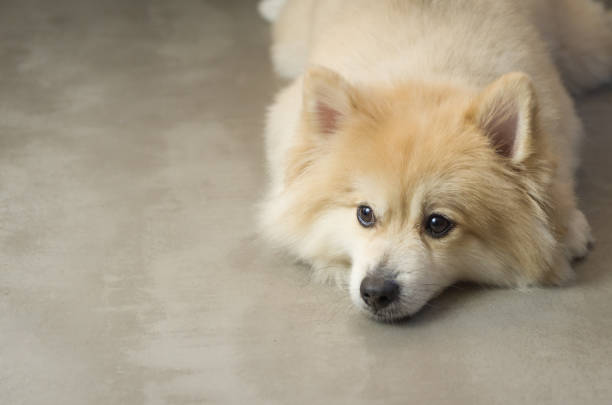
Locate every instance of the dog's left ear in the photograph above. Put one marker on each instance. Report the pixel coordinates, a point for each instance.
(328, 99)
(506, 111)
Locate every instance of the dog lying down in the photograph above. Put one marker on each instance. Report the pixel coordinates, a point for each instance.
(423, 143)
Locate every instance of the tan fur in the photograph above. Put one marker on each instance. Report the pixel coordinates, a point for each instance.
(411, 139)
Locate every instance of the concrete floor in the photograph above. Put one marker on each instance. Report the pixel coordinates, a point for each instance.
(130, 270)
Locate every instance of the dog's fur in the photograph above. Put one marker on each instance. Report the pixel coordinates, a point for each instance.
(412, 107)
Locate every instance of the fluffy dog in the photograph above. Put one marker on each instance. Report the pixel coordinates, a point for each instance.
(424, 142)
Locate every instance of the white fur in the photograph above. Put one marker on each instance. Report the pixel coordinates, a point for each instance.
(579, 236)
(270, 9)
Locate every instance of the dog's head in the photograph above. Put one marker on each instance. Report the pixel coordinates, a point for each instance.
(418, 186)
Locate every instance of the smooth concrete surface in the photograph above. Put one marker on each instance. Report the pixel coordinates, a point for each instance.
(130, 269)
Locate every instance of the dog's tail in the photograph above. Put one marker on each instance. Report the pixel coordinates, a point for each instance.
(269, 9)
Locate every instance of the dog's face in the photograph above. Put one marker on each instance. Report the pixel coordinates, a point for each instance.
(417, 187)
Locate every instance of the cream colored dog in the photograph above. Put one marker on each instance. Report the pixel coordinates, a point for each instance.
(423, 142)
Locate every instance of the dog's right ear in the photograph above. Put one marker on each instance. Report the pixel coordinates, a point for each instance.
(328, 100)
(506, 111)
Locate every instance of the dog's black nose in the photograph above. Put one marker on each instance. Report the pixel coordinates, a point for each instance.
(378, 292)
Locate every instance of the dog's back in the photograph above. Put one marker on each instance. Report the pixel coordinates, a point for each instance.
(447, 37)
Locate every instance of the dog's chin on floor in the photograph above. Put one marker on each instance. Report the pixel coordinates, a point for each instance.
(441, 305)
(338, 276)
(389, 316)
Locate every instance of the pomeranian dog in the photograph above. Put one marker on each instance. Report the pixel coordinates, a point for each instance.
(425, 142)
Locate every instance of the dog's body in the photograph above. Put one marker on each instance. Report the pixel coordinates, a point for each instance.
(410, 110)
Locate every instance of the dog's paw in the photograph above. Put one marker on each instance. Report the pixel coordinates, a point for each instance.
(579, 238)
(562, 273)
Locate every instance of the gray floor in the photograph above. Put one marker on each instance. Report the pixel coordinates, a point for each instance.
(130, 270)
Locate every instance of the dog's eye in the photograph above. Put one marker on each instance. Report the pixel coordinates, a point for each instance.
(365, 215)
(438, 226)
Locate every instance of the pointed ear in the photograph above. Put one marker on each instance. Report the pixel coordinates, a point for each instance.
(328, 99)
(506, 112)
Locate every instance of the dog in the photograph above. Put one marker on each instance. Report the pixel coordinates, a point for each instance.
(426, 142)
